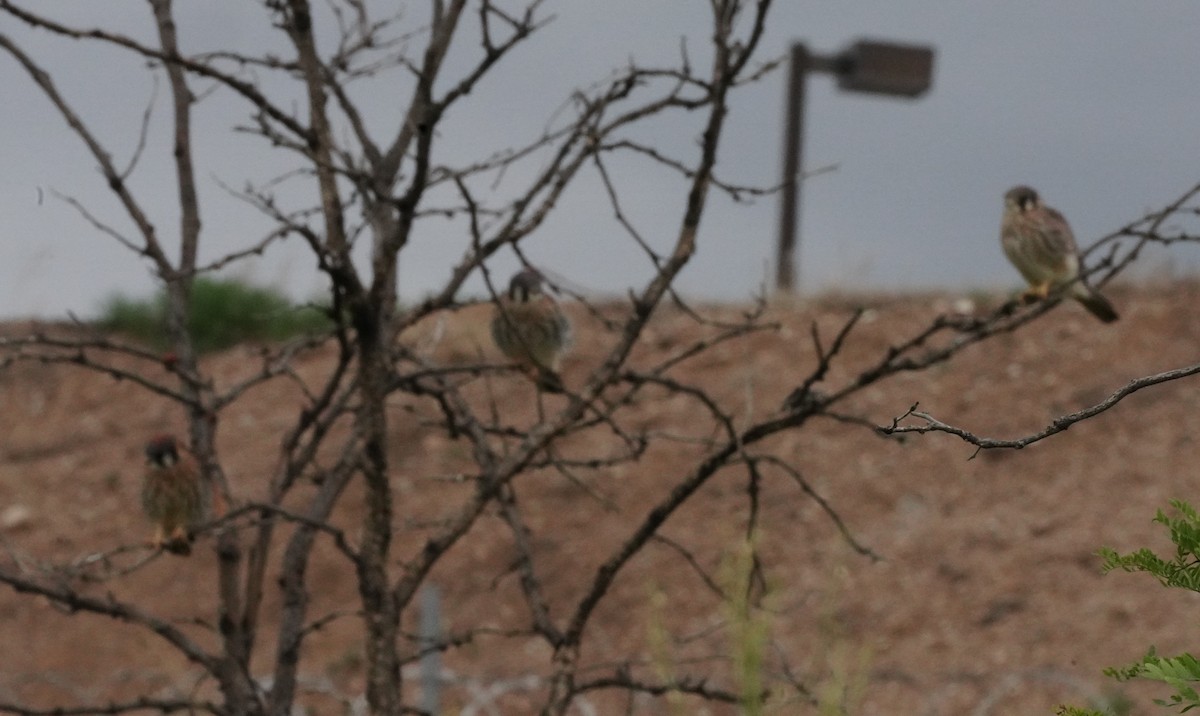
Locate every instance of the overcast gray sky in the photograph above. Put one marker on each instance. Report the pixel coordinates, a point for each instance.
(1094, 103)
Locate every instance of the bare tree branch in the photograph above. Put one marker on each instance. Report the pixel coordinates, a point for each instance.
(359, 188)
(930, 424)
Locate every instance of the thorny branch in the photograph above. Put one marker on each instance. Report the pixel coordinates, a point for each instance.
(110, 607)
(930, 424)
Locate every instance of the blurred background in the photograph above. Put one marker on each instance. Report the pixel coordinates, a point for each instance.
(1093, 105)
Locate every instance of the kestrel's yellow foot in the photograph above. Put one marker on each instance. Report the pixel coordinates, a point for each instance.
(1034, 294)
(179, 542)
(159, 539)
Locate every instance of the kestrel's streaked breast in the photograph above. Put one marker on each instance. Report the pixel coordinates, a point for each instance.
(531, 329)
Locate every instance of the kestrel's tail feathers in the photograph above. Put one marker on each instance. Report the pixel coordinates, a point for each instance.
(549, 381)
(179, 543)
(1096, 304)
(178, 546)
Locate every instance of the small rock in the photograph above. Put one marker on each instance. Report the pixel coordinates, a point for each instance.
(15, 517)
(964, 307)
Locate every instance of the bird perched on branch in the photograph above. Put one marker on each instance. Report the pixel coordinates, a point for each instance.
(1038, 241)
(172, 495)
(531, 329)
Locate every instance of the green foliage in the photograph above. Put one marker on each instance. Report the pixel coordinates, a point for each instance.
(224, 312)
(1181, 571)
(749, 629)
(1178, 673)
(1181, 673)
(662, 655)
(141, 319)
(1073, 711)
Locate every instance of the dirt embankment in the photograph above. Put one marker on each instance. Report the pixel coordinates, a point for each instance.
(988, 600)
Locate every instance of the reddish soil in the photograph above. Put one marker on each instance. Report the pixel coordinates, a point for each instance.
(988, 599)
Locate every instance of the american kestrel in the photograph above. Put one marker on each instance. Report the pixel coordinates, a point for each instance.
(172, 496)
(531, 329)
(1038, 241)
